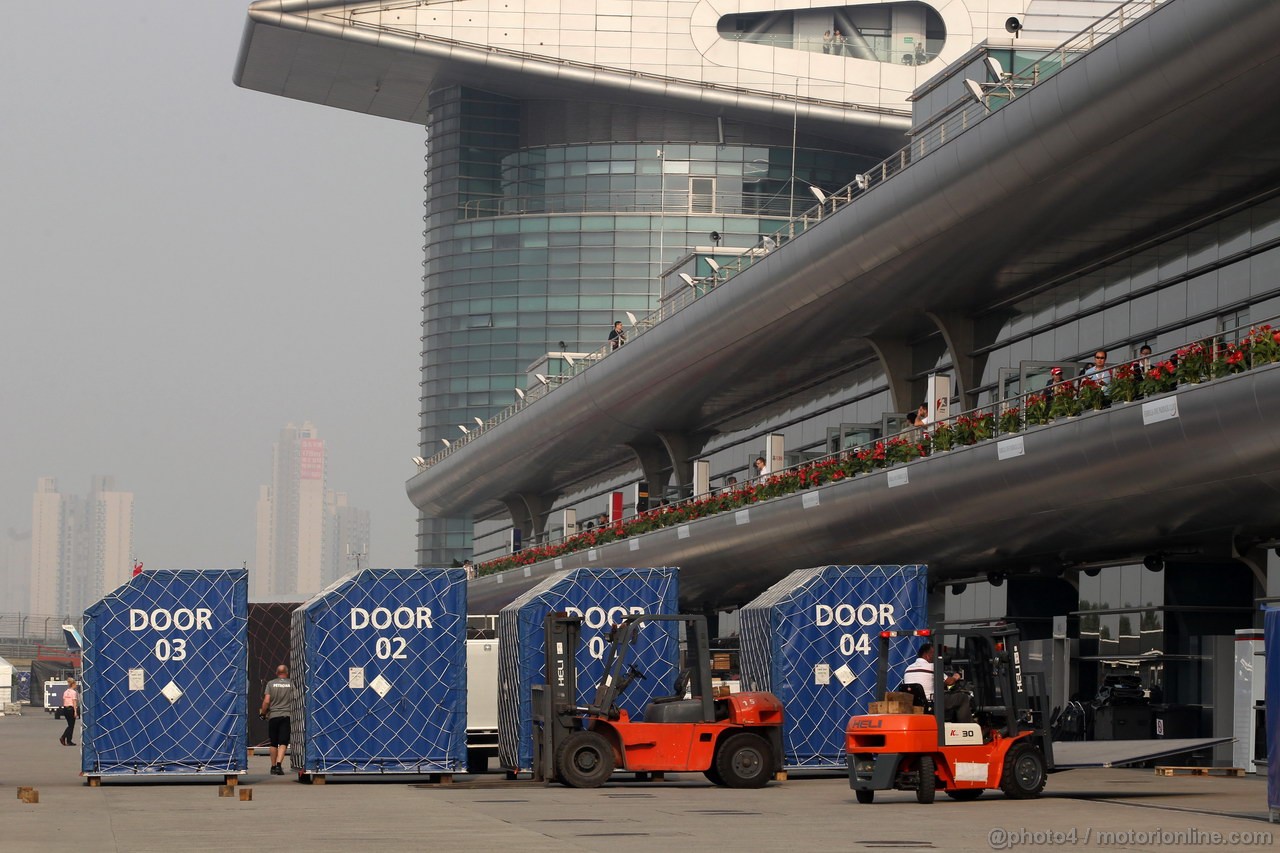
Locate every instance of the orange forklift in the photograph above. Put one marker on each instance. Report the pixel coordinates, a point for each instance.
(735, 740)
(1008, 745)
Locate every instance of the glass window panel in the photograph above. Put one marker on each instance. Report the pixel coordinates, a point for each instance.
(675, 167)
(565, 223)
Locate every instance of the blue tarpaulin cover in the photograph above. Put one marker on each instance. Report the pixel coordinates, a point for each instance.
(1271, 635)
(164, 675)
(601, 597)
(812, 639)
(380, 672)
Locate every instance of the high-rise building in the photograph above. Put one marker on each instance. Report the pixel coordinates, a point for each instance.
(303, 528)
(348, 538)
(81, 547)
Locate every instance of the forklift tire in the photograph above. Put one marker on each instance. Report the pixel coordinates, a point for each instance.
(713, 775)
(1024, 772)
(865, 797)
(584, 760)
(744, 760)
(965, 795)
(927, 787)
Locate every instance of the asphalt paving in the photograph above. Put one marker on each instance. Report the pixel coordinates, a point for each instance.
(1129, 809)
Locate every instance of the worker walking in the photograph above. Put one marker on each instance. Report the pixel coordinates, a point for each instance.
(277, 706)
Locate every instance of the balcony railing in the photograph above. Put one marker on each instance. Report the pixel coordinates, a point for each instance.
(1226, 354)
(926, 142)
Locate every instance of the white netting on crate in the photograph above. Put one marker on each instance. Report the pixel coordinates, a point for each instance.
(379, 668)
(164, 675)
(601, 597)
(812, 639)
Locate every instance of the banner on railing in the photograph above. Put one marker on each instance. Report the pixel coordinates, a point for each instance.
(939, 399)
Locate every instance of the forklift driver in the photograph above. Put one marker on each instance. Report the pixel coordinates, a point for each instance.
(955, 703)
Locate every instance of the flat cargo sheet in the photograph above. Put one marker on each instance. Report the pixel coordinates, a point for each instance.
(1068, 755)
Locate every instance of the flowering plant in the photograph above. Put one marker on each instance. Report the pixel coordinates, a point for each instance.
(899, 449)
(1124, 383)
(944, 437)
(1011, 419)
(1193, 364)
(1264, 343)
(1091, 395)
(970, 430)
(1160, 378)
(1037, 409)
(1066, 403)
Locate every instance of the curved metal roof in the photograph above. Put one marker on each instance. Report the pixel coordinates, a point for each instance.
(1166, 118)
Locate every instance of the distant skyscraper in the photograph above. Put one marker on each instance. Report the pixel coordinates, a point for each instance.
(81, 548)
(303, 528)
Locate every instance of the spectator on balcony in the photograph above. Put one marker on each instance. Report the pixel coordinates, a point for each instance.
(826, 42)
(617, 337)
(1144, 358)
(1098, 371)
(837, 42)
(762, 468)
(470, 568)
(922, 415)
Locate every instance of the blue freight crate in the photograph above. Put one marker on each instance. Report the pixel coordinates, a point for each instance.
(812, 639)
(601, 597)
(380, 674)
(164, 675)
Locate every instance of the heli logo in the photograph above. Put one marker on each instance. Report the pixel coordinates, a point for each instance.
(865, 724)
(961, 733)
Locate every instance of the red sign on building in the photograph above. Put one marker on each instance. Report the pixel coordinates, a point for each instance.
(311, 461)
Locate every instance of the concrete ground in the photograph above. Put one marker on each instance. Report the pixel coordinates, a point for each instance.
(818, 814)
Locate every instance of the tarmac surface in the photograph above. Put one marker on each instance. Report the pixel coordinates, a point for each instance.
(1144, 811)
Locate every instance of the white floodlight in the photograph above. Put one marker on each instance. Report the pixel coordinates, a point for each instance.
(993, 65)
(419, 461)
(715, 268)
(687, 279)
(465, 431)
(975, 91)
(631, 317)
(544, 380)
(446, 442)
(818, 194)
(479, 422)
(519, 393)
(568, 359)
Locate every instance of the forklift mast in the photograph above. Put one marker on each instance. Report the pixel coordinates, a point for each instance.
(618, 673)
(1005, 697)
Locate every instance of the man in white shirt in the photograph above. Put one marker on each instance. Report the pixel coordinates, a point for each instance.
(921, 672)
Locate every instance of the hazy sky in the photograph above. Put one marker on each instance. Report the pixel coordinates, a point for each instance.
(187, 266)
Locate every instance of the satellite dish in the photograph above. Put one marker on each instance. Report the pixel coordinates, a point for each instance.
(631, 317)
(519, 393)
(1013, 25)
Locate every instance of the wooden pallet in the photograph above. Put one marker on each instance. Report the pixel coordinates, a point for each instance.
(1199, 771)
(433, 779)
